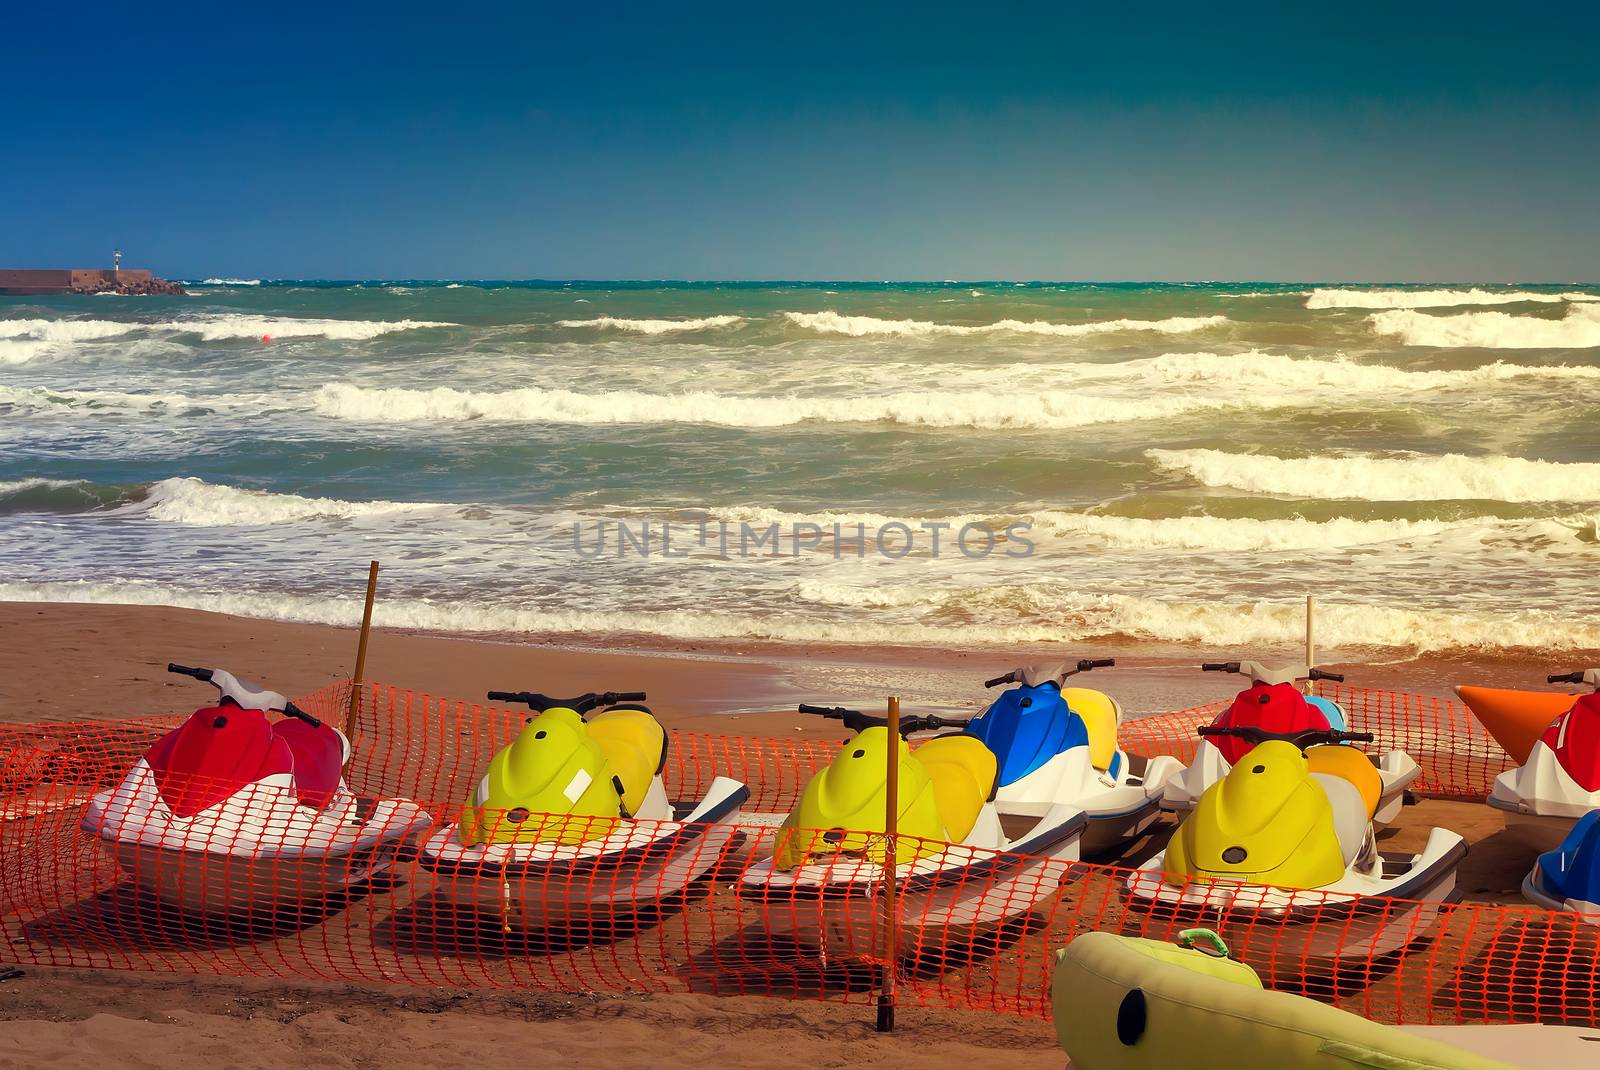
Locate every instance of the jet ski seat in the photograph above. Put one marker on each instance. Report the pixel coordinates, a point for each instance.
(318, 755)
(635, 746)
(1351, 818)
(1351, 765)
(1100, 715)
(965, 774)
(1331, 710)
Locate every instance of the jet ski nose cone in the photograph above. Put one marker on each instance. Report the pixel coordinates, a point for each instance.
(1234, 855)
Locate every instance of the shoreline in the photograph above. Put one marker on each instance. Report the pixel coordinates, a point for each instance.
(106, 661)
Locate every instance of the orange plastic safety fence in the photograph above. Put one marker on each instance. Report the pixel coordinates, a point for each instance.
(380, 885)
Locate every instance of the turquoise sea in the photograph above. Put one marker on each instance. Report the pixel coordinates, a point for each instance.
(1175, 463)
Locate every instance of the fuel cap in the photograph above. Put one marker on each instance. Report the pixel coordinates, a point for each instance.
(1234, 855)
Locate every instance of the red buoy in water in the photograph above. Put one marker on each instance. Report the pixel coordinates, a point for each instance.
(266, 338)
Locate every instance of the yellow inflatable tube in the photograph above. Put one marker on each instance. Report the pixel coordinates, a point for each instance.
(1123, 1003)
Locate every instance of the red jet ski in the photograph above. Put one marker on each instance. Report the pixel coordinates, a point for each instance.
(1560, 782)
(1273, 705)
(234, 813)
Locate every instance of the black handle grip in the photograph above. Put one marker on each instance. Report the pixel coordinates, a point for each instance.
(1220, 666)
(506, 696)
(291, 710)
(611, 698)
(998, 680)
(1096, 663)
(1566, 678)
(837, 713)
(184, 670)
(1323, 674)
(1310, 737)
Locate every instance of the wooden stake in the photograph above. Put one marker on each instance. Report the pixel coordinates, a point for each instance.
(891, 855)
(361, 659)
(1311, 646)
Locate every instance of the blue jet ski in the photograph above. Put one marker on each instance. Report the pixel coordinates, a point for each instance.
(1057, 745)
(1568, 878)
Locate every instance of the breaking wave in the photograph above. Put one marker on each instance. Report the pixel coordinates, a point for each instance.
(862, 326)
(1058, 616)
(1332, 298)
(231, 282)
(1209, 533)
(654, 326)
(23, 339)
(1258, 369)
(1579, 329)
(1364, 477)
(185, 500)
(932, 408)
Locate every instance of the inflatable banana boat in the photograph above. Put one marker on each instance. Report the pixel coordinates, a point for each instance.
(1124, 1003)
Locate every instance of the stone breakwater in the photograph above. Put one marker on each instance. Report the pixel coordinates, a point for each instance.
(34, 282)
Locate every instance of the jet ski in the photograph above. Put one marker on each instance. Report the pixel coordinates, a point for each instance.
(232, 813)
(1560, 780)
(1568, 878)
(572, 825)
(1274, 705)
(1057, 745)
(957, 873)
(1285, 839)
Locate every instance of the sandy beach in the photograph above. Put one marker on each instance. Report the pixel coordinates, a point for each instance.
(66, 662)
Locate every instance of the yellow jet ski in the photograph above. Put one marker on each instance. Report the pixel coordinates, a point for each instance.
(1285, 839)
(572, 823)
(957, 874)
(1124, 1003)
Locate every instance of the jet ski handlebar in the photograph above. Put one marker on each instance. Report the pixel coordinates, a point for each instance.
(1579, 676)
(578, 704)
(1016, 676)
(857, 721)
(1313, 673)
(245, 695)
(1309, 738)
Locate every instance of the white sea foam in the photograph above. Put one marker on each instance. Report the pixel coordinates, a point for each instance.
(1258, 369)
(185, 500)
(981, 408)
(231, 282)
(1216, 624)
(1331, 298)
(89, 402)
(23, 339)
(654, 326)
(1579, 329)
(1344, 625)
(1413, 478)
(862, 326)
(17, 486)
(1210, 533)
(218, 328)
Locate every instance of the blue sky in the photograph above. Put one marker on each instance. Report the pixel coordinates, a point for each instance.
(1447, 142)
